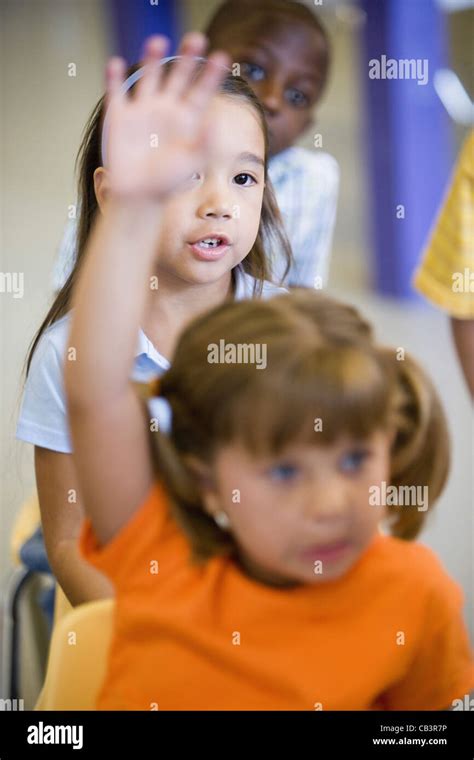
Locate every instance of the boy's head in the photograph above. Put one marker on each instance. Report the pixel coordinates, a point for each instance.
(284, 54)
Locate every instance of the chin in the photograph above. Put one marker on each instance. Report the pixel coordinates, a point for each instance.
(333, 572)
(204, 275)
(205, 272)
(277, 146)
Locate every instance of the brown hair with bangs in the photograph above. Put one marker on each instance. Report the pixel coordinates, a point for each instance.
(271, 234)
(321, 363)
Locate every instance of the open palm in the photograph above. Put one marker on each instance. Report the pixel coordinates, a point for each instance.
(156, 139)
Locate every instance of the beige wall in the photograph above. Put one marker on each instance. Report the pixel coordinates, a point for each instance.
(43, 113)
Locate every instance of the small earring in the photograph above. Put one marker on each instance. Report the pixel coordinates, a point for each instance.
(222, 520)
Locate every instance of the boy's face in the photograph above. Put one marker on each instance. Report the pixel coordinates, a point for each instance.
(304, 516)
(284, 71)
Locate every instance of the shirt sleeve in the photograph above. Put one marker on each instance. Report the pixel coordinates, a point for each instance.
(43, 416)
(126, 558)
(442, 669)
(445, 272)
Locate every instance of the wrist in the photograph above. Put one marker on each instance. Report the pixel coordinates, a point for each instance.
(140, 216)
(132, 205)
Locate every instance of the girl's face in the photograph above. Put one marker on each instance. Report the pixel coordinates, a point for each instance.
(221, 203)
(303, 516)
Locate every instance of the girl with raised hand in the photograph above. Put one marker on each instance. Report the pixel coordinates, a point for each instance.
(243, 536)
(209, 240)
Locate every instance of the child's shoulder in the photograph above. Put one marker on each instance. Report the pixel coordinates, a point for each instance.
(55, 337)
(408, 555)
(416, 564)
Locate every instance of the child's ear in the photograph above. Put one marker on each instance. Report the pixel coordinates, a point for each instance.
(201, 471)
(101, 187)
(206, 482)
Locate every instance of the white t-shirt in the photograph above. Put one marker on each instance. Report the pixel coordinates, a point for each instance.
(43, 417)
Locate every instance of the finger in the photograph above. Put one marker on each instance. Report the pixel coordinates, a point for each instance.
(155, 49)
(114, 77)
(192, 45)
(207, 84)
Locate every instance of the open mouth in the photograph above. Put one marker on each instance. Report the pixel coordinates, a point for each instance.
(208, 243)
(211, 246)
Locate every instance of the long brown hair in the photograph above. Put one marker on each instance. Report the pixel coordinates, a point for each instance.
(322, 364)
(257, 262)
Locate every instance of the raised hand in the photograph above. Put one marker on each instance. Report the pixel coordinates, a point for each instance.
(160, 136)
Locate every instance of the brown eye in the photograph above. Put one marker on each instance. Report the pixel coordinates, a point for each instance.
(242, 179)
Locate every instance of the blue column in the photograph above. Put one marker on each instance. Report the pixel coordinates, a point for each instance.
(408, 136)
(134, 20)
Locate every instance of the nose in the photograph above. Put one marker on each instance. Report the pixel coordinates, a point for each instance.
(214, 202)
(271, 96)
(328, 499)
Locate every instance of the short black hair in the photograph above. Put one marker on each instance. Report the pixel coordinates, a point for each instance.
(264, 17)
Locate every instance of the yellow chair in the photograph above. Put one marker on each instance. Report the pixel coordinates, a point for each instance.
(78, 657)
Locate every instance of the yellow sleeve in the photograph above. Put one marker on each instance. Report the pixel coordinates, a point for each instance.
(446, 274)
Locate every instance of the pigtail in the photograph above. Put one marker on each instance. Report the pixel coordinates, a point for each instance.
(168, 464)
(421, 449)
(181, 484)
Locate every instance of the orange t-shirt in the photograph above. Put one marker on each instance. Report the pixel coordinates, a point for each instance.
(388, 635)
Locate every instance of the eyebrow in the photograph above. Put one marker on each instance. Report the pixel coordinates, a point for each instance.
(251, 157)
